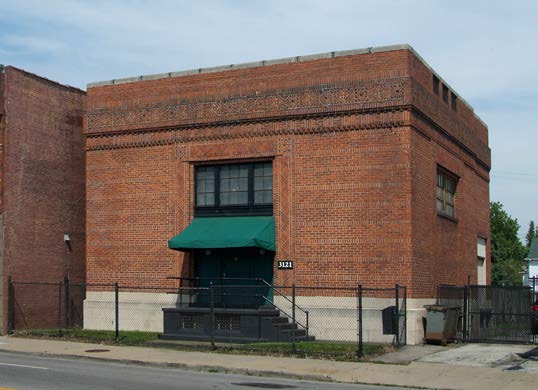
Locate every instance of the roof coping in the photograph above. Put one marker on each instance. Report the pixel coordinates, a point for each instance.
(311, 57)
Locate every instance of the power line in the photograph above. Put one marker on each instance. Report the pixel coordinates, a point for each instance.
(515, 176)
(514, 173)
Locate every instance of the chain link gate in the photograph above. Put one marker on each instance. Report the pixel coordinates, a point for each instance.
(42, 305)
(492, 314)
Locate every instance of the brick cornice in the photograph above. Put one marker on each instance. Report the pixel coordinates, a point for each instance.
(281, 126)
(421, 123)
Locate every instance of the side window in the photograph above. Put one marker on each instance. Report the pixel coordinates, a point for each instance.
(263, 184)
(446, 192)
(205, 186)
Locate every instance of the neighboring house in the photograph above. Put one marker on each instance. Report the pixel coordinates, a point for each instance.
(361, 166)
(42, 189)
(531, 270)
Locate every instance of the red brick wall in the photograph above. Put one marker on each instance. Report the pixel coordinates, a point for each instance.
(131, 206)
(353, 169)
(44, 182)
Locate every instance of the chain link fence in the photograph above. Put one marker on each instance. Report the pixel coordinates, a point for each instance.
(247, 315)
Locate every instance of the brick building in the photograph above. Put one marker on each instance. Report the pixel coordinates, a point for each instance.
(42, 188)
(367, 166)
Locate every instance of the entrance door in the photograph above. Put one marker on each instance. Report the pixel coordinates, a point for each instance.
(231, 269)
(208, 269)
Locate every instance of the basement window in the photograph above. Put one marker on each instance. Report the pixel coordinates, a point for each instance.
(228, 322)
(446, 192)
(191, 321)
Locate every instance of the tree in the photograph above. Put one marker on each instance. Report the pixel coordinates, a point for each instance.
(507, 251)
(530, 234)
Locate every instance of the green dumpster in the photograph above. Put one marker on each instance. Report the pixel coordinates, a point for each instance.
(441, 323)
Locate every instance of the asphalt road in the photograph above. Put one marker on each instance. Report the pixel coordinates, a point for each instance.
(24, 372)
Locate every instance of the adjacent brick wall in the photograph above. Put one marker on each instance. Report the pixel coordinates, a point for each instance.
(3, 279)
(44, 180)
(355, 142)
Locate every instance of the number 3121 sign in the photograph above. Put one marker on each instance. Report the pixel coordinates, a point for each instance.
(284, 264)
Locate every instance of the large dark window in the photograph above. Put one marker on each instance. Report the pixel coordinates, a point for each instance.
(446, 191)
(234, 189)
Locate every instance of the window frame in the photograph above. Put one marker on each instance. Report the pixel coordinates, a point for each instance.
(443, 202)
(248, 208)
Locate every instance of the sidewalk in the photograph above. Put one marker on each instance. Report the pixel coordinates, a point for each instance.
(424, 374)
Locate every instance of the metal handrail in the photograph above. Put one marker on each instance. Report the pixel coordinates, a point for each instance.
(294, 320)
(285, 297)
(181, 279)
(266, 299)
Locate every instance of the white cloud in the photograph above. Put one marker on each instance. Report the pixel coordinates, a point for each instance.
(34, 44)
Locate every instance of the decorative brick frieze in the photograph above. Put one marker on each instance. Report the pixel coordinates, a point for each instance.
(182, 152)
(247, 149)
(275, 127)
(283, 188)
(365, 94)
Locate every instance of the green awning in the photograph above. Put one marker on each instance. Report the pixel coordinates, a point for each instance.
(226, 232)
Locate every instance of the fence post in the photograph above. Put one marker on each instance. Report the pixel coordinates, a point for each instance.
(10, 305)
(307, 324)
(66, 303)
(59, 320)
(117, 310)
(465, 311)
(180, 293)
(293, 347)
(211, 316)
(404, 305)
(534, 299)
(360, 352)
(396, 319)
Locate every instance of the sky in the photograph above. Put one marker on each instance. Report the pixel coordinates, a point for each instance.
(486, 50)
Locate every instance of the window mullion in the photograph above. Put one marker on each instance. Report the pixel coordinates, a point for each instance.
(251, 184)
(217, 186)
(444, 194)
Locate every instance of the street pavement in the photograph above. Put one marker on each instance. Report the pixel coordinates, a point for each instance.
(23, 372)
(470, 366)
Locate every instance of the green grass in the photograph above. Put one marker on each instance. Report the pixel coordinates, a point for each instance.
(92, 336)
(317, 349)
(305, 349)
